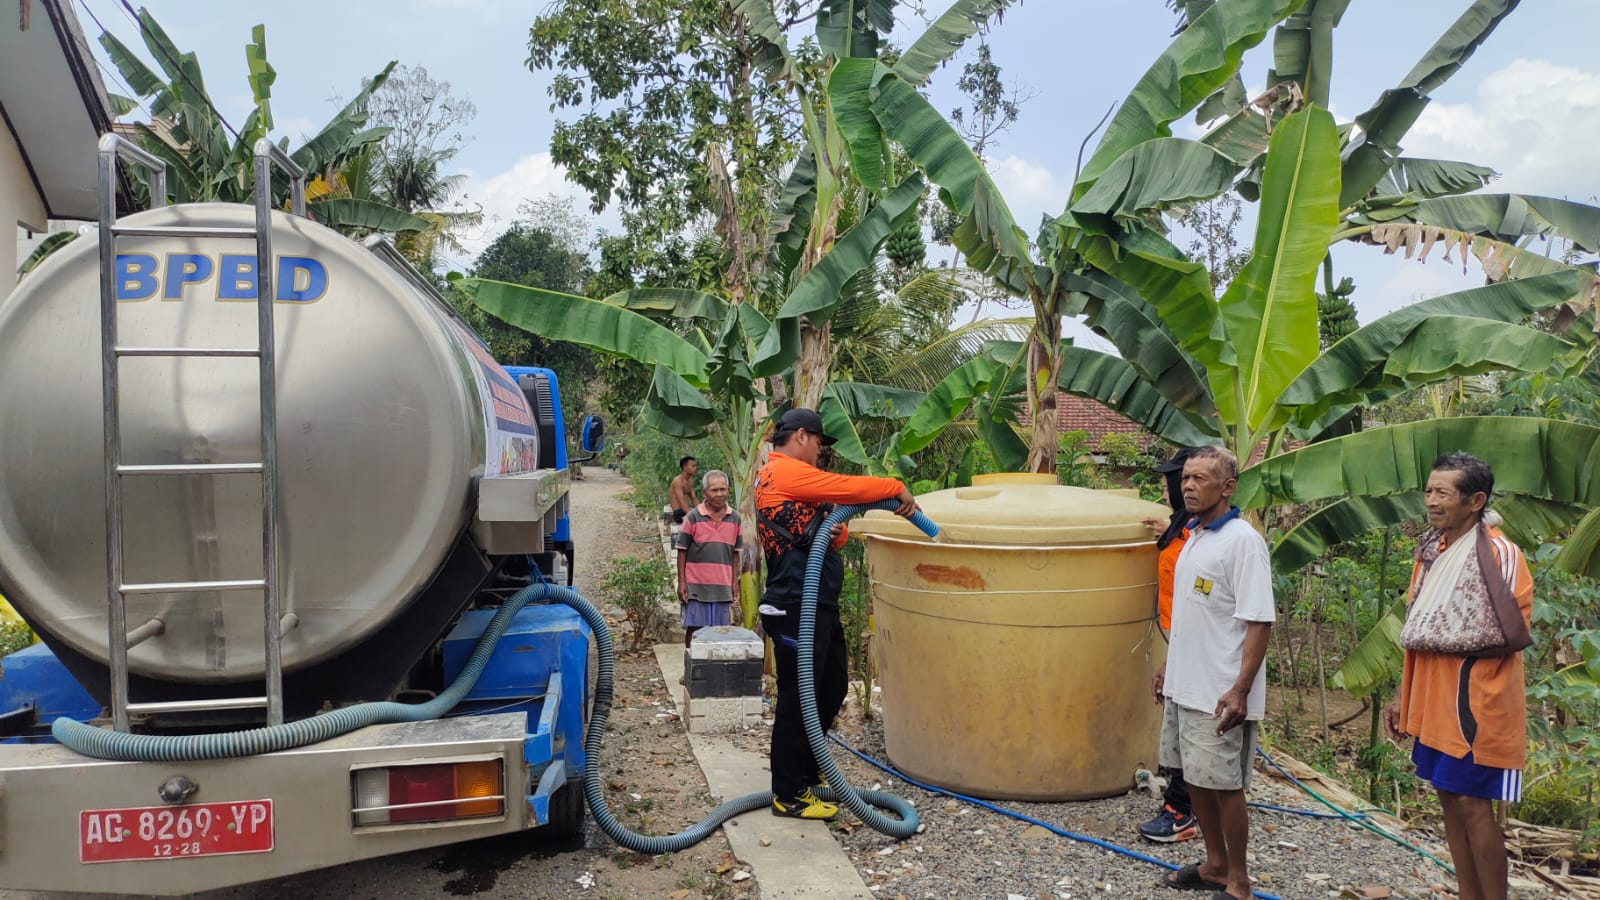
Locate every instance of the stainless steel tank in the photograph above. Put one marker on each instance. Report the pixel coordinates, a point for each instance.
(387, 410)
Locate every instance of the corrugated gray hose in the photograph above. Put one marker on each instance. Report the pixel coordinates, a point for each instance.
(106, 744)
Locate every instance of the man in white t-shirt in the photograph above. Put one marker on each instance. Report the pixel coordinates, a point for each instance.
(1214, 682)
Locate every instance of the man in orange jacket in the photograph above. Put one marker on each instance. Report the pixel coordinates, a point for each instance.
(1175, 821)
(792, 497)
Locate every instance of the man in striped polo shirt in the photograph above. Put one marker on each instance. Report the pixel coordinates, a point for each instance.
(708, 554)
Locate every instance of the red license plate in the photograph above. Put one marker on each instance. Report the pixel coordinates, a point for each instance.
(175, 832)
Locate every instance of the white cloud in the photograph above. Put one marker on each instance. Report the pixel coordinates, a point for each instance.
(1533, 121)
(1031, 190)
(532, 177)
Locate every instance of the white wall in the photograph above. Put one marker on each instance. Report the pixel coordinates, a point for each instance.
(20, 204)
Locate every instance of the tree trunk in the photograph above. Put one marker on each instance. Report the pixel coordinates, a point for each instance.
(812, 369)
(1044, 371)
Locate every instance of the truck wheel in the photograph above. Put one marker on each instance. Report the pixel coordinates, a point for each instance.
(566, 812)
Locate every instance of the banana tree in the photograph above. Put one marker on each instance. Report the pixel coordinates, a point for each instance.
(191, 137)
(806, 223)
(1136, 171)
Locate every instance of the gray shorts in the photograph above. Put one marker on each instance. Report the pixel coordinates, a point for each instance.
(1217, 762)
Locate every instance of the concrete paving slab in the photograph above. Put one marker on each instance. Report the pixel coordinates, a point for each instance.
(802, 859)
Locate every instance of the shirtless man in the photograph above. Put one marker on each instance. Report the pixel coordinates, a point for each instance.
(681, 493)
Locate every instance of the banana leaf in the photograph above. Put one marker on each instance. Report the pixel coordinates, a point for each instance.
(874, 401)
(728, 362)
(678, 303)
(1302, 48)
(1376, 661)
(944, 37)
(1199, 61)
(49, 245)
(1509, 216)
(262, 75)
(791, 217)
(1544, 458)
(1415, 177)
(846, 404)
(1385, 124)
(675, 407)
(848, 443)
(1530, 521)
(852, 85)
(346, 212)
(1179, 290)
(1225, 102)
(556, 316)
(1345, 372)
(988, 231)
(1342, 521)
(1270, 309)
(853, 28)
(973, 380)
(1453, 346)
(1117, 312)
(1114, 383)
(819, 292)
(1153, 176)
(328, 145)
(1241, 137)
(180, 67)
(1581, 553)
(1499, 259)
(140, 79)
(772, 49)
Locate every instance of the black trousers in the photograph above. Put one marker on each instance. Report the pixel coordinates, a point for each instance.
(1177, 793)
(793, 767)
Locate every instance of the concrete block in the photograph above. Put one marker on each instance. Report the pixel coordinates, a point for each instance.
(725, 642)
(721, 715)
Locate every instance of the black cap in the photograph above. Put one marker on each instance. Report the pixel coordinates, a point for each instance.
(1175, 464)
(804, 420)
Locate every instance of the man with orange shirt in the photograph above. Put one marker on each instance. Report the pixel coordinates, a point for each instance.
(792, 498)
(1175, 821)
(1466, 710)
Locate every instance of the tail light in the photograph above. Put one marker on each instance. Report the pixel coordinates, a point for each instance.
(432, 792)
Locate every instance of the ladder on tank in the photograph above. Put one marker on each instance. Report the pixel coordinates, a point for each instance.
(112, 150)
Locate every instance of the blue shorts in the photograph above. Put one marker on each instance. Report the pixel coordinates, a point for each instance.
(1463, 776)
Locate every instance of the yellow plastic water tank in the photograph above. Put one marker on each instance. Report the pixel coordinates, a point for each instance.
(1016, 654)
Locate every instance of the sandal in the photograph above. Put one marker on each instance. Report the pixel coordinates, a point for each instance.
(1189, 878)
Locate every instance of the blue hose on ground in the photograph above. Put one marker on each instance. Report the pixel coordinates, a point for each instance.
(847, 796)
(102, 743)
(1021, 817)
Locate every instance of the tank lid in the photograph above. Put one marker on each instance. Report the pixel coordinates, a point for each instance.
(1024, 511)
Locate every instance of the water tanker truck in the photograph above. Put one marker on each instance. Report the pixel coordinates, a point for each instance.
(253, 474)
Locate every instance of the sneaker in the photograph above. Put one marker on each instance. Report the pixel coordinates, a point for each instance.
(805, 806)
(1170, 827)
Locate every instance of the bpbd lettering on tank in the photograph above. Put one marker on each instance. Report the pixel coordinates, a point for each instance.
(225, 277)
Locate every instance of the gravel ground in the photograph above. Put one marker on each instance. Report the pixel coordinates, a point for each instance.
(969, 852)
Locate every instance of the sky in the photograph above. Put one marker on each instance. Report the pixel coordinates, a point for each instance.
(1527, 103)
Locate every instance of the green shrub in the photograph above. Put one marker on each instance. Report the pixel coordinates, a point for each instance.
(14, 636)
(640, 587)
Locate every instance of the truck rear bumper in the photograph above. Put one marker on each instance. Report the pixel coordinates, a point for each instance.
(45, 789)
